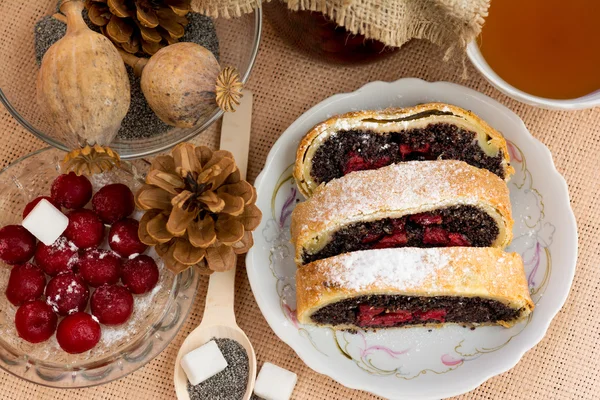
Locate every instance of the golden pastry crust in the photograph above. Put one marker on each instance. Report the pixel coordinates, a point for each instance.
(489, 138)
(397, 190)
(488, 273)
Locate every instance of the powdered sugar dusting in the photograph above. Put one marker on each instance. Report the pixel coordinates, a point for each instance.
(127, 331)
(394, 187)
(400, 268)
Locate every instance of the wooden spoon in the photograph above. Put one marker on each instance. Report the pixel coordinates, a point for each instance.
(219, 317)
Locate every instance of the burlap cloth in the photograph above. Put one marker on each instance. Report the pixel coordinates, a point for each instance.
(563, 366)
(451, 24)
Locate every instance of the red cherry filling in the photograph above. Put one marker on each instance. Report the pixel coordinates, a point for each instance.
(424, 229)
(112, 304)
(113, 203)
(378, 316)
(431, 315)
(61, 256)
(99, 267)
(17, 245)
(26, 282)
(123, 238)
(356, 162)
(426, 219)
(435, 236)
(71, 191)
(67, 294)
(35, 321)
(31, 205)
(78, 332)
(407, 150)
(140, 274)
(457, 239)
(85, 229)
(394, 240)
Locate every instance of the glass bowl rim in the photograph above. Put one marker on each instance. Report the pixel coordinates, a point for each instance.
(179, 283)
(193, 133)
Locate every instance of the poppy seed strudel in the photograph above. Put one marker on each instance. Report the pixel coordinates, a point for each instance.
(412, 204)
(411, 286)
(373, 139)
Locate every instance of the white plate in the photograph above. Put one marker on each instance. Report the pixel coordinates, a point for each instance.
(417, 363)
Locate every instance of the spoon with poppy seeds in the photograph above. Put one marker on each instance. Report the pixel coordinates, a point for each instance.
(218, 320)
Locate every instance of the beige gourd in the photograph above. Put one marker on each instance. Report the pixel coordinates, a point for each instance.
(183, 83)
(82, 88)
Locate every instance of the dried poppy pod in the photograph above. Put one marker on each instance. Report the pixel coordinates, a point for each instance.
(184, 83)
(198, 209)
(83, 90)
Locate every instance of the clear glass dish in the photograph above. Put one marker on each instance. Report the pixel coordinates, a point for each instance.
(239, 40)
(157, 316)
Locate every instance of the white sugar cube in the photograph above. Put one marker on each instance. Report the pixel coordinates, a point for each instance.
(275, 383)
(46, 222)
(204, 362)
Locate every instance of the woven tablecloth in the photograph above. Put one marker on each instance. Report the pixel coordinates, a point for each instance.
(564, 365)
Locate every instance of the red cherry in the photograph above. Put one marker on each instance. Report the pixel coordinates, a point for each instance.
(17, 245)
(85, 229)
(123, 238)
(35, 321)
(67, 293)
(393, 240)
(435, 235)
(31, 205)
(61, 256)
(407, 149)
(392, 318)
(112, 304)
(380, 162)
(99, 267)
(71, 191)
(371, 237)
(458, 239)
(426, 219)
(78, 333)
(355, 163)
(113, 203)
(26, 283)
(436, 315)
(376, 316)
(367, 310)
(140, 274)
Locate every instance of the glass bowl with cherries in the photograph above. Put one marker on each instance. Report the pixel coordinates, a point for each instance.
(95, 303)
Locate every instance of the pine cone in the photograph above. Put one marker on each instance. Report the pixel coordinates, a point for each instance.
(140, 25)
(198, 209)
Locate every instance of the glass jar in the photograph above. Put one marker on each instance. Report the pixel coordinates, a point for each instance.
(316, 34)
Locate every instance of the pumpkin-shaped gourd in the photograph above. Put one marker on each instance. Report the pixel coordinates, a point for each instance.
(82, 88)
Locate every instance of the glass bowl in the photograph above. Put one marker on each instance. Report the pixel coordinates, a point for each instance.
(157, 315)
(239, 40)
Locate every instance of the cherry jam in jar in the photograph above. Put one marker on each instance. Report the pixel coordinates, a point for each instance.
(316, 34)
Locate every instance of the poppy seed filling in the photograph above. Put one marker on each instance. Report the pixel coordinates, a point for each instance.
(356, 150)
(382, 311)
(462, 225)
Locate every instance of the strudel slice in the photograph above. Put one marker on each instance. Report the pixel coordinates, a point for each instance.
(373, 139)
(411, 286)
(412, 204)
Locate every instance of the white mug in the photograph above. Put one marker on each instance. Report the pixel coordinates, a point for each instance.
(587, 101)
